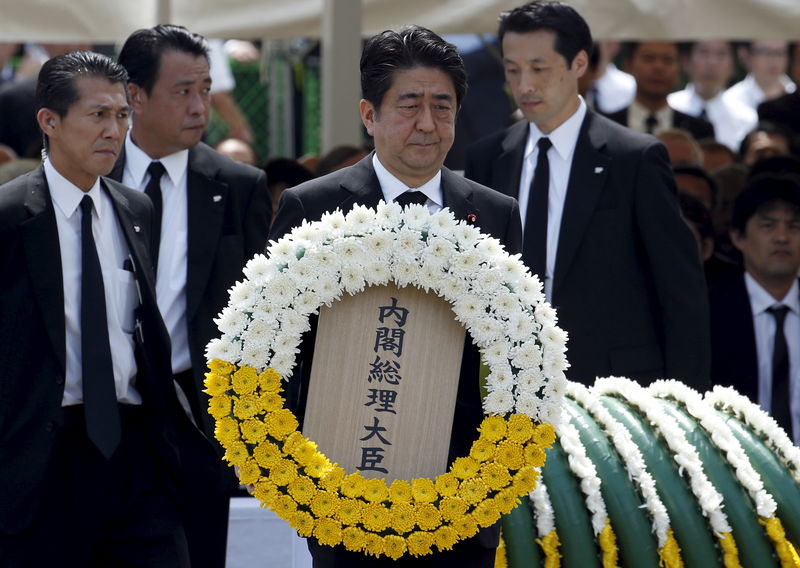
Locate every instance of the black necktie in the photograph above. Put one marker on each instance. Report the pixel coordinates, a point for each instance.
(780, 407)
(411, 196)
(153, 191)
(703, 114)
(99, 392)
(535, 245)
(650, 124)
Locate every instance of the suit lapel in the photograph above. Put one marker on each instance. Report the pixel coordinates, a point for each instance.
(507, 167)
(457, 195)
(206, 198)
(119, 166)
(40, 235)
(586, 180)
(362, 185)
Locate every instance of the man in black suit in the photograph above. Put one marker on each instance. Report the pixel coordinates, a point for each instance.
(94, 446)
(755, 316)
(601, 222)
(655, 66)
(412, 84)
(212, 215)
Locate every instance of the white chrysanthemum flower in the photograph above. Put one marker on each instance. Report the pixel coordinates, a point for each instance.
(453, 288)
(307, 303)
(404, 272)
(530, 290)
(498, 402)
(283, 251)
(293, 323)
(490, 279)
(281, 289)
(440, 249)
(387, 215)
(512, 268)
(530, 380)
(350, 251)
(305, 272)
(466, 235)
(520, 326)
(378, 245)
(496, 352)
(329, 290)
(266, 311)
(547, 413)
(501, 378)
(359, 220)
(231, 321)
(442, 222)
(553, 336)
(408, 245)
(258, 333)
(465, 264)
(429, 277)
(253, 356)
(554, 363)
(258, 269)
(353, 279)
(490, 247)
(218, 348)
(283, 363)
(377, 273)
(469, 307)
(309, 234)
(333, 223)
(485, 330)
(416, 216)
(243, 295)
(526, 355)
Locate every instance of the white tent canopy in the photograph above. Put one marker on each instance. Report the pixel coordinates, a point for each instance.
(104, 21)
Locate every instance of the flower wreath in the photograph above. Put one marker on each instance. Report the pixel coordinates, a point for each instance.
(492, 294)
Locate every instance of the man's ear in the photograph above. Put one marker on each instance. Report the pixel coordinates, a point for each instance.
(368, 115)
(736, 238)
(136, 96)
(48, 121)
(580, 63)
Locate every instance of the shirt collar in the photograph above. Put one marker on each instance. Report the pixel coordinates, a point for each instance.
(761, 300)
(392, 187)
(638, 114)
(66, 195)
(137, 162)
(564, 137)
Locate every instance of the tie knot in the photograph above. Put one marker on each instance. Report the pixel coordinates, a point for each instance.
(544, 144)
(86, 205)
(156, 170)
(411, 196)
(779, 312)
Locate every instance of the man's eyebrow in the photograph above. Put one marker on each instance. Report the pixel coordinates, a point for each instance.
(105, 107)
(413, 95)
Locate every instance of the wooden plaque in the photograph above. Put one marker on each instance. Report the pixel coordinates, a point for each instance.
(383, 383)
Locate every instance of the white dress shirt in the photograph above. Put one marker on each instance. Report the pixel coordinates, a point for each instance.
(638, 115)
(393, 187)
(614, 90)
(748, 93)
(764, 326)
(732, 119)
(559, 156)
(118, 284)
(173, 247)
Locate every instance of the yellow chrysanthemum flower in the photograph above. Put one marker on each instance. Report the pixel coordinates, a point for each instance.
(506, 500)
(303, 523)
(447, 484)
(236, 453)
(486, 513)
(394, 546)
(419, 543)
(226, 430)
(544, 435)
(473, 490)
(453, 508)
(282, 472)
(266, 454)
(245, 380)
(249, 472)
(427, 516)
(423, 490)
(303, 452)
(534, 455)
(482, 450)
(400, 491)
(465, 526)
(373, 544)
(270, 401)
(353, 485)
(269, 381)
(445, 538)
(403, 519)
(302, 490)
(520, 428)
(375, 517)
(324, 503)
(221, 367)
(375, 490)
(281, 423)
(332, 479)
(493, 428)
(219, 406)
(216, 384)
(495, 475)
(510, 454)
(266, 491)
(254, 431)
(354, 539)
(246, 406)
(318, 465)
(328, 532)
(350, 511)
(525, 480)
(292, 441)
(464, 468)
(284, 506)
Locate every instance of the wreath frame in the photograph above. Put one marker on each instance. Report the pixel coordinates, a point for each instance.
(491, 293)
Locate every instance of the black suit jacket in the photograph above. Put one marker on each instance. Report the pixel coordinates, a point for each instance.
(33, 348)
(628, 284)
(784, 110)
(229, 211)
(734, 360)
(697, 127)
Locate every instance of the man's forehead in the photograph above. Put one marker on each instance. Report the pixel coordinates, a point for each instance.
(173, 64)
(416, 80)
(95, 90)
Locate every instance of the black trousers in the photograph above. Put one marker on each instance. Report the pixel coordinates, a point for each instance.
(98, 513)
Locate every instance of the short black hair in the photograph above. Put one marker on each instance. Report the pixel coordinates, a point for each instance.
(697, 214)
(571, 30)
(763, 192)
(770, 128)
(55, 87)
(141, 54)
(698, 172)
(413, 46)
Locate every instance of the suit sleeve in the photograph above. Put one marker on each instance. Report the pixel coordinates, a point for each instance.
(513, 238)
(290, 215)
(676, 271)
(258, 215)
